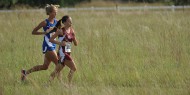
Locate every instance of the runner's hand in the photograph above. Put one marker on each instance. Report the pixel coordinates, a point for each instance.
(63, 43)
(48, 30)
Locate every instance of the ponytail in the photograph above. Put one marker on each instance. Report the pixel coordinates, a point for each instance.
(57, 26)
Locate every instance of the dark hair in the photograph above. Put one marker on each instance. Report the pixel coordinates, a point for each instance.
(58, 25)
(64, 18)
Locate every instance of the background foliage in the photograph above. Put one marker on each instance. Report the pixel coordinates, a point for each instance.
(71, 3)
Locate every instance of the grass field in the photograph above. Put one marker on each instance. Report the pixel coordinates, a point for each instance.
(118, 54)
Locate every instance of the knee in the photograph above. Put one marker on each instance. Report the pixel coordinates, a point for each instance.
(45, 67)
(74, 69)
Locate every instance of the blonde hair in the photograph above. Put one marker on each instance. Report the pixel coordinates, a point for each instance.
(50, 8)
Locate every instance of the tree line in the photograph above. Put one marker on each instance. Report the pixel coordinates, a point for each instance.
(7, 4)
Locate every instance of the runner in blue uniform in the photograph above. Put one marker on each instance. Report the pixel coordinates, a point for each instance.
(50, 54)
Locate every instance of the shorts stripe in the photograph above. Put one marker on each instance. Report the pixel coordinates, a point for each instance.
(45, 49)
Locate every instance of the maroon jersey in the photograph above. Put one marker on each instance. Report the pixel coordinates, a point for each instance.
(69, 37)
(64, 51)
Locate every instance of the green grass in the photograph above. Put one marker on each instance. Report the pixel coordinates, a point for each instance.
(118, 54)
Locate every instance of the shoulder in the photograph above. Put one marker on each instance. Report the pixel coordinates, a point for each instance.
(72, 30)
(61, 31)
(55, 19)
(43, 23)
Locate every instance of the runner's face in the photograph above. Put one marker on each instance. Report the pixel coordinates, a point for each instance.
(69, 22)
(53, 13)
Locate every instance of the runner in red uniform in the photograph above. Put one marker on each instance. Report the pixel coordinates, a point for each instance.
(66, 38)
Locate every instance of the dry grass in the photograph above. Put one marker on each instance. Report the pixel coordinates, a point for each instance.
(118, 54)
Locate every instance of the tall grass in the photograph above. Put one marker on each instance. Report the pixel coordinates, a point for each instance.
(118, 54)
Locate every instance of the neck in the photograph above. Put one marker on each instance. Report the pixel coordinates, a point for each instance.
(50, 19)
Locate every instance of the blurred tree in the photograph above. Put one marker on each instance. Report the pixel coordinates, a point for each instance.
(65, 3)
(181, 2)
(144, 1)
(7, 3)
(176, 2)
(42, 3)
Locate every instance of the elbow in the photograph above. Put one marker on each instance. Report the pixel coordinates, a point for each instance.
(76, 43)
(50, 40)
(33, 33)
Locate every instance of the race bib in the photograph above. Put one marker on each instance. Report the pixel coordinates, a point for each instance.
(68, 47)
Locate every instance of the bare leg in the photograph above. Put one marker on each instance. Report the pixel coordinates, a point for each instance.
(57, 70)
(72, 67)
(49, 56)
(39, 67)
(59, 76)
(53, 56)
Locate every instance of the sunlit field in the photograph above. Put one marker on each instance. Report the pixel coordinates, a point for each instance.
(125, 53)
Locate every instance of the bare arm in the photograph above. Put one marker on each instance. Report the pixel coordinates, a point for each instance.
(35, 30)
(75, 40)
(58, 32)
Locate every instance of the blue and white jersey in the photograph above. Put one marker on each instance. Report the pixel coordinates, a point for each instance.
(48, 46)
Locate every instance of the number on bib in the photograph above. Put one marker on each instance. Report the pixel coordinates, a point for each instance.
(68, 47)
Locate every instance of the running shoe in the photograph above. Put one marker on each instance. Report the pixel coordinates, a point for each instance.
(23, 75)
